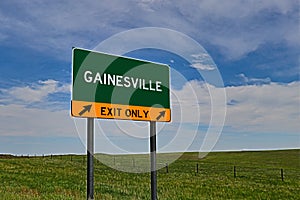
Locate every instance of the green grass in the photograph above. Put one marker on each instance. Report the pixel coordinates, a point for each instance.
(258, 176)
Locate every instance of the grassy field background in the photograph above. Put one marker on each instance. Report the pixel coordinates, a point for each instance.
(258, 176)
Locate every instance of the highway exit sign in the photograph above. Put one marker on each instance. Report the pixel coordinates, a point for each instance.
(115, 87)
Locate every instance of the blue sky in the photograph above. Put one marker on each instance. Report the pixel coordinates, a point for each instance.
(254, 44)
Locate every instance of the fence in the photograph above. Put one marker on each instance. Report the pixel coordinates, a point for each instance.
(214, 169)
(196, 167)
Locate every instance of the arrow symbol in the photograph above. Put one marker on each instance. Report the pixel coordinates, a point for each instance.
(86, 108)
(161, 114)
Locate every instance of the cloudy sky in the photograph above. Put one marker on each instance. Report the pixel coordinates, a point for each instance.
(254, 46)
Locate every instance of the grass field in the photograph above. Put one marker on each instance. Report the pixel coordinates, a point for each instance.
(258, 176)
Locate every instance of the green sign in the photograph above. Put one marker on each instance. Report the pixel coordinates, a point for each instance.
(103, 84)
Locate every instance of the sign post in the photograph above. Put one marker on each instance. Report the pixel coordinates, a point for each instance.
(115, 87)
(90, 158)
(153, 160)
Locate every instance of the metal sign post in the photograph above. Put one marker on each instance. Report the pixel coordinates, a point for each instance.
(90, 158)
(153, 160)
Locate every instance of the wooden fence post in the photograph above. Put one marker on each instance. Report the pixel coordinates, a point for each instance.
(281, 172)
(167, 168)
(234, 171)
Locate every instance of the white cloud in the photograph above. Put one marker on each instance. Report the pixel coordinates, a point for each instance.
(255, 81)
(18, 120)
(202, 61)
(271, 108)
(239, 27)
(35, 92)
(267, 108)
(203, 66)
(236, 27)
